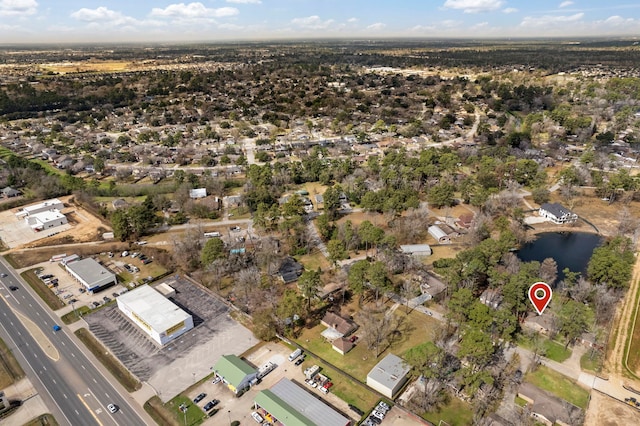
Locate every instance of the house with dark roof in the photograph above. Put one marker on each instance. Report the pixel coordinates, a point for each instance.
(290, 270)
(557, 213)
(492, 297)
(546, 408)
(9, 192)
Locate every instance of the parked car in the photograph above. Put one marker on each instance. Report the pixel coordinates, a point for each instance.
(209, 405)
(72, 301)
(106, 299)
(199, 397)
(257, 417)
(147, 261)
(300, 360)
(82, 290)
(217, 380)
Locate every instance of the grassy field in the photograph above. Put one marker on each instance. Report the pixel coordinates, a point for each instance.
(118, 371)
(10, 370)
(194, 414)
(414, 328)
(559, 385)
(43, 291)
(632, 350)
(454, 413)
(553, 350)
(43, 420)
(592, 364)
(71, 317)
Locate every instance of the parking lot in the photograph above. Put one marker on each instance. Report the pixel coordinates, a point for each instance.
(15, 232)
(184, 361)
(234, 408)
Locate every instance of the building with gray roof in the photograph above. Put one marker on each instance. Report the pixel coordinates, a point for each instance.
(92, 275)
(389, 375)
(291, 405)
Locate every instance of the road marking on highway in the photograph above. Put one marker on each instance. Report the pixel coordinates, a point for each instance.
(94, 380)
(89, 410)
(65, 396)
(73, 355)
(54, 381)
(83, 367)
(44, 368)
(77, 412)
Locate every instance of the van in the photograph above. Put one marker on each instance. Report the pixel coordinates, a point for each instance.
(295, 354)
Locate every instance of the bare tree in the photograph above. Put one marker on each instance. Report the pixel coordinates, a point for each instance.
(376, 328)
(247, 282)
(549, 270)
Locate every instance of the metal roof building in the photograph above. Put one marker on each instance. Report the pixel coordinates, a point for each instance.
(236, 374)
(389, 375)
(91, 274)
(291, 405)
(156, 315)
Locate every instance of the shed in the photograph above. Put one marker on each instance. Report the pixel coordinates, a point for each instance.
(9, 192)
(416, 249)
(197, 193)
(438, 234)
(342, 345)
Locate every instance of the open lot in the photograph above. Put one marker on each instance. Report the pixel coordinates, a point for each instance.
(15, 232)
(189, 358)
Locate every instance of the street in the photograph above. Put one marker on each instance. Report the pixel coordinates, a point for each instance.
(75, 391)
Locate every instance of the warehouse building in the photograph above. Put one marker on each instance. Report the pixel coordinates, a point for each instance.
(389, 375)
(45, 206)
(235, 373)
(156, 315)
(288, 404)
(92, 275)
(45, 220)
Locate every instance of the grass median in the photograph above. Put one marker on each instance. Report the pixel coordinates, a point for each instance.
(126, 379)
(44, 292)
(43, 420)
(10, 370)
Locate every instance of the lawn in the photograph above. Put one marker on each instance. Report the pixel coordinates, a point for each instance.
(553, 350)
(591, 363)
(73, 316)
(454, 413)
(414, 328)
(194, 414)
(559, 385)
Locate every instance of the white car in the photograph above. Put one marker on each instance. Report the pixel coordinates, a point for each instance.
(112, 408)
(257, 417)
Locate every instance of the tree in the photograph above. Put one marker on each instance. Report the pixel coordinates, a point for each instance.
(377, 327)
(549, 271)
(370, 234)
(212, 250)
(309, 284)
(441, 195)
(291, 305)
(120, 225)
(612, 263)
(574, 319)
(336, 251)
(357, 277)
(331, 202)
(264, 324)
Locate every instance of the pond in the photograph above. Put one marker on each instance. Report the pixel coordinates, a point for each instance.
(569, 249)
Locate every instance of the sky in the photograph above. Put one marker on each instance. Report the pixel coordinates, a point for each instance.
(70, 21)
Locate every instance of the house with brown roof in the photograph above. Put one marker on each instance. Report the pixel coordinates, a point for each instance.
(342, 345)
(339, 326)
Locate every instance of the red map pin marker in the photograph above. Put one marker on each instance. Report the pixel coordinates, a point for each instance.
(540, 296)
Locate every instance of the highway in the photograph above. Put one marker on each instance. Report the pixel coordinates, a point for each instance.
(74, 390)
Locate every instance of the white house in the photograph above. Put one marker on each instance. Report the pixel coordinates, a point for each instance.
(557, 213)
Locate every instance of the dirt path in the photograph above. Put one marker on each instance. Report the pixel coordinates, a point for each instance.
(614, 363)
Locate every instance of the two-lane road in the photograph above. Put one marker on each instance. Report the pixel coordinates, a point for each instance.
(72, 387)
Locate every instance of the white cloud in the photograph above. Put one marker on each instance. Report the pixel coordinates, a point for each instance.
(422, 28)
(450, 23)
(377, 26)
(550, 20)
(102, 15)
(566, 4)
(194, 10)
(312, 22)
(509, 10)
(18, 7)
(352, 20)
(474, 6)
(245, 1)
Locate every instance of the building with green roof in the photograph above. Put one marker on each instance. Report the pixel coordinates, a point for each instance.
(235, 373)
(290, 405)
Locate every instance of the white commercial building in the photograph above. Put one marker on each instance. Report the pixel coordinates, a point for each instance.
(53, 204)
(45, 220)
(92, 275)
(389, 375)
(156, 315)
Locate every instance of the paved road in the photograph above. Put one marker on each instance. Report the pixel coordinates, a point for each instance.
(71, 386)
